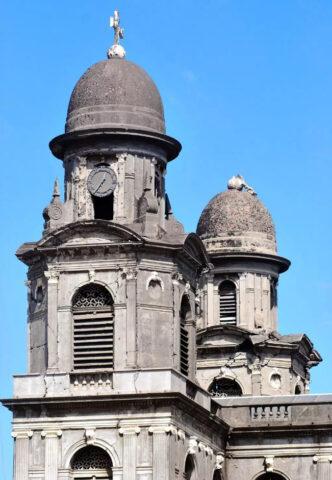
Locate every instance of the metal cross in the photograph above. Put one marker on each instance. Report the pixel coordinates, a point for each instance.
(115, 24)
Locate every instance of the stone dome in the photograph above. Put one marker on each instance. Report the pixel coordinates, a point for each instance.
(237, 221)
(115, 93)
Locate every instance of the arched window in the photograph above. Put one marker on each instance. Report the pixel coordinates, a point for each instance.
(91, 463)
(189, 468)
(270, 476)
(93, 328)
(217, 475)
(225, 387)
(185, 316)
(227, 303)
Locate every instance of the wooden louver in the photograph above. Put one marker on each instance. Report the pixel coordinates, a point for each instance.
(93, 322)
(227, 303)
(184, 349)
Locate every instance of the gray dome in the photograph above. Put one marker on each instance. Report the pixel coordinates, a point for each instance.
(237, 221)
(115, 93)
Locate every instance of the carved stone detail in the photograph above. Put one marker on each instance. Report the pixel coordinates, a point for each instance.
(269, 463)
(90, 436)
(22, 434)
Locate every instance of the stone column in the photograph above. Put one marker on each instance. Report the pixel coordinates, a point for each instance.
(160, 452)
(51, 453)
(52, 319)
(129, 460)
(131, 288)
(21, 459)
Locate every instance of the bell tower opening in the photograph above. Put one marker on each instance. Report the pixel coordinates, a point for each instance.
(93, 322)
(103, 207)
(91, 463)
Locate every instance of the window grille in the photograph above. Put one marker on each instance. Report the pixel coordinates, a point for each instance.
(227, 303)
(184, 336)
(91, 458)
(93, 321)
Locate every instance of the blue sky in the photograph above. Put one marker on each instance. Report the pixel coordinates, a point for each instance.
(247, 89)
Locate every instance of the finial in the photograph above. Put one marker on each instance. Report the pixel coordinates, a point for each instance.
(56, 188)
(116, 49)
(238, 183)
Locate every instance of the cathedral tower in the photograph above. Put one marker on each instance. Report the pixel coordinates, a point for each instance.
(240, 351)
(112, 300)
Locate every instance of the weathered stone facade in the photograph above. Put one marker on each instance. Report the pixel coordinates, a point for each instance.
(154, 354)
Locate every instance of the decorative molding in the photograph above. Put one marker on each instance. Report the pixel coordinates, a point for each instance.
(208, 452)
(52, 275)
(92, 276)
(181, 435)
(269, 463)
(170, 429)
(90, 436)
(193, 445)
(129, 430)
(17, 434)
(154, 277)
(220, 459)
(51, 433)
(201, 447)
(322, 459)
(130, 273)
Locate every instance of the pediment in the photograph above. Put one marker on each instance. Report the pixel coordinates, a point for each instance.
(93, 232)
(194, 248)
(219, 336)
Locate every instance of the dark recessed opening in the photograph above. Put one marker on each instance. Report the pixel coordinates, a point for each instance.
(103, 207)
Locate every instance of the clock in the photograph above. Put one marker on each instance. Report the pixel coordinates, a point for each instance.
(102, 181)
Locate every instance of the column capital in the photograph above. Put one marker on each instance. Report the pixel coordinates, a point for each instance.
(163, 429)
(52, 275)
(18, 434)
(51, 433)
(134, 430)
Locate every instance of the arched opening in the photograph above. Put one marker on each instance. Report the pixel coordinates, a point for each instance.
(189, 468)
(91, 463)
(93, 324)
(185, 317)
(225, 387)
(103, 207)
(298, 389)
(227, 303)
(271, 476)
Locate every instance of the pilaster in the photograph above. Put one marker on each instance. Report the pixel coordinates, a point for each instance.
(21, 462)
(176, 320)
(160, 452)
(129, 451)
(210, 302)
(131, 288)
(52, 276)
(51, 453)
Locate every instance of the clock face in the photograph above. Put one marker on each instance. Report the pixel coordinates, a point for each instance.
(102, 181)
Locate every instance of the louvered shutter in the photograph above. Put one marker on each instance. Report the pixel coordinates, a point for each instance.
(227, 303)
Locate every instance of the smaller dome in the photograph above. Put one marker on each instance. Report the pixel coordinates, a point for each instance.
(237, 221)
(115, 93)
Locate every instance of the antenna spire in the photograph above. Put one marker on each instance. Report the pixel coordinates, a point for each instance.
(116, 49)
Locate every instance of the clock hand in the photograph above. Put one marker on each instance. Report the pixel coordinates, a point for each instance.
(101, 183)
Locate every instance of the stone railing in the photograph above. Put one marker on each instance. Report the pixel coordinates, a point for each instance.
(93, 380)
(268, 413)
